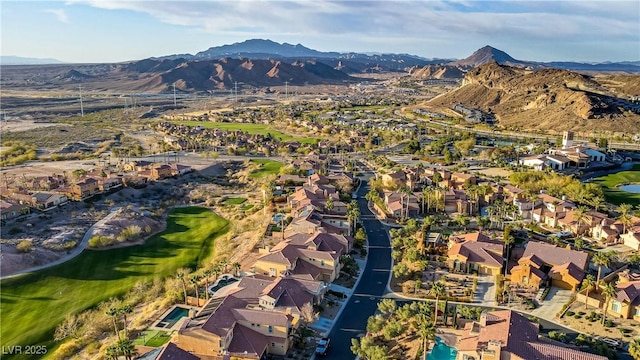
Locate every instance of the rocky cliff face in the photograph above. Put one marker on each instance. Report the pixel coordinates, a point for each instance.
(549, 99)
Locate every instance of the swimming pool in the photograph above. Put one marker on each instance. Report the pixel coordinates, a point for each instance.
(172, 318)
(442, 351)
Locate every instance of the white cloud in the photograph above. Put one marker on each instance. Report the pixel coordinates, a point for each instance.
(466, 22)
(60, 14)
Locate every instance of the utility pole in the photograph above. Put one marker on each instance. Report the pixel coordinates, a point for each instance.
(236, 88)
(174, 96)
(286, 90)
(81, 107)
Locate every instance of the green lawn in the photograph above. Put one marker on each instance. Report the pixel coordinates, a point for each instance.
(235, 201)
(610, 184)
(32, 305)
(250, 128)
(153, 338)
(269, 167)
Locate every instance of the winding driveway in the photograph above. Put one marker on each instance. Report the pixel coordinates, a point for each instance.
(76, 251)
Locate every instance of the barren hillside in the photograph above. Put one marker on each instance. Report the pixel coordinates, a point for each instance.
(548, 99)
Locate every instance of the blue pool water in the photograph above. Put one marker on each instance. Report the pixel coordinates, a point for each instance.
(442, 352)
(632, 188)
(173, 317)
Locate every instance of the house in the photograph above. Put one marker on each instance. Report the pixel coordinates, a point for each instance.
(178, 169)
(401, 205)
(545, 264)
(395, 180)
(160, 172)
(631, 237)
(626, 303)
(84, 188)
(475, 252)
(300, 261)
(45, 201)
(10, 210)
(505, 334)
(257, 318)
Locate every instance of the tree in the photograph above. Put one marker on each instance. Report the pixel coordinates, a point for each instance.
(207, 275)
(482, 222)
(113, 312)
(126, 348)
(587, 284)
(439, 290)
(236, 268)
(387, 307)
(462, 220)
(447, 156)
(353, 213)
(181, 275)
(634, 349)
(625, 215)
(581, 218)
(194, 280)
(112, 352)
(601, 259)
(579, 243)
(609, 292)
(124, 310)
(329, 205)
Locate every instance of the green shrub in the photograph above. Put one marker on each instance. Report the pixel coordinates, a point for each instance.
(25, 246)
(570, 313)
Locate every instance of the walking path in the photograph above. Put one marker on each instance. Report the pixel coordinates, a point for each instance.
(76, 251)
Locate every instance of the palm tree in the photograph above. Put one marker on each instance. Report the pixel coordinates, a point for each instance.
(587, 284)
(634, 349)
(597, 202)
(438, 290)
(609, 292)
(329, 205)
(207, 275)
(124, 310)
(126, 348)
(112, 352)
(181, 275)
(113, 312)
(353, 213)
(601, 259)
(462, 220)
(625, 216)
(427, 332)
(581, 218)
(236, 268)
(194, 280)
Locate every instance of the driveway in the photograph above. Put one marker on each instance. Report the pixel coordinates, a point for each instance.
(486, 290)
(552, 305)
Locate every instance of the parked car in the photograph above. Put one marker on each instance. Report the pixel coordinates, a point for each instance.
(611, 342)
(323, 346)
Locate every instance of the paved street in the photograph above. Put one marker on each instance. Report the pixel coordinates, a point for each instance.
(364, 301)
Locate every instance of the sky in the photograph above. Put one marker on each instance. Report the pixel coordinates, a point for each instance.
(123, 30)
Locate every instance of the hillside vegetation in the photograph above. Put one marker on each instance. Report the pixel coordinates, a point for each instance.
(546, 99)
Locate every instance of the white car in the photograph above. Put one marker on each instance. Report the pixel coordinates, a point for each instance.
(611, 342)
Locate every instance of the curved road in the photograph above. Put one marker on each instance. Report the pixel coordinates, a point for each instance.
(76, 251)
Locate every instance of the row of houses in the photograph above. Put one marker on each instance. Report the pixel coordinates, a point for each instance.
(44, 193)
(561, 213)
(540, 265)
(260, 315)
